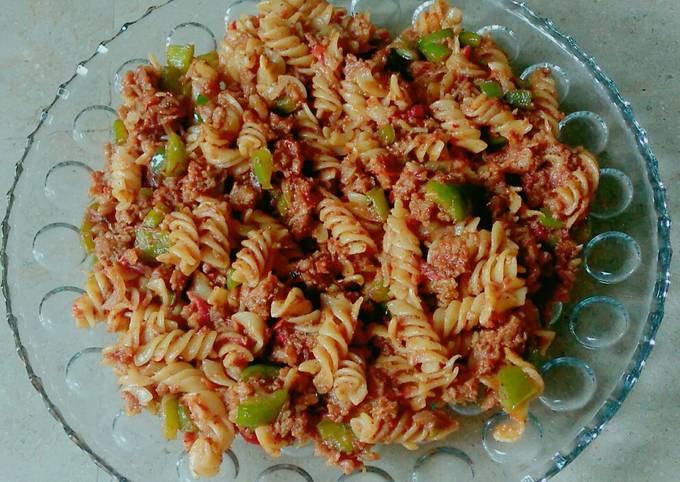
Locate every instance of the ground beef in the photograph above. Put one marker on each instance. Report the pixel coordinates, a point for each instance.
(386, 169)
(354, 178)
(146, 111)
(259, 299)
(448, 258)
(282, 125)
(317, 271)
(199, 180)
(488, 348)
(244, 195)
(301, 201)
(410, 181)
(288, 158)
(289, 346)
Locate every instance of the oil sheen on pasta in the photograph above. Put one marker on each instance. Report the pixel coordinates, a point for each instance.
(319, 234)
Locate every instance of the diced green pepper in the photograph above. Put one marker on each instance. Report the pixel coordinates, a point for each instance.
(170, 416)
(397, 63)
(470, 39)
(260, 370)
(158, 162)
(202, 99)
(434, 37)
(546, 219)
(86, 237)
(450, 197)
(379, 203)
(212, 58)
(519, 98)
(387, 135)
(153, 218)
(176, 156)
(496, 143)
(197, 118)
(337, 435)
(185, 423)
(434, 52)
(151, 243)
(231, 282)
(120, 133)
(406, 53)
(285, 105)
(491, 88)
(515, 388)
(262, 164)
(281, 202)
(261, 409)
(171, 80)
(179, 57)
(378, 292)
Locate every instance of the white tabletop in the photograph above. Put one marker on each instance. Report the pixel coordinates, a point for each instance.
(637, 43)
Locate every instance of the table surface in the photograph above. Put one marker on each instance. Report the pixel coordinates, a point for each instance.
(637, 46)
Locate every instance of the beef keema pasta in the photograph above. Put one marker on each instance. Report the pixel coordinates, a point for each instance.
(320, 234)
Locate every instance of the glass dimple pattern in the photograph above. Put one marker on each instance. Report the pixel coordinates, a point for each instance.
(48, 251)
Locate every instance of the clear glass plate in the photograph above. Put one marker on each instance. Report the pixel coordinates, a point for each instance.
(604, 335)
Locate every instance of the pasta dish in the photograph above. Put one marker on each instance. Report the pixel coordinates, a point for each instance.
(321, 234)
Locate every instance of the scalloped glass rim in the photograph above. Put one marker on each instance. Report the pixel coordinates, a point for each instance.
(653, 320)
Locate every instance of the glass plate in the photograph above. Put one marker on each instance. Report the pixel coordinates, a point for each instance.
(604, 335)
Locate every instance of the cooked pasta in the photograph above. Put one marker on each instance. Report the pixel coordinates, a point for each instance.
(318, 233)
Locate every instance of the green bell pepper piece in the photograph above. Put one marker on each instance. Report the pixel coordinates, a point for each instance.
(470, 39)
(260, 370)
(120, 133)
(185, 423)
(546, 219)
(262, 164)
(450, 197)
(170, 416)
(519, 98)
(515, 388)
(491, 88)
(151, 243)
(379, 203)
(387, 135)
(261, 409)
(176, 156)
(179, 57)
(285, 105)
(338, 435)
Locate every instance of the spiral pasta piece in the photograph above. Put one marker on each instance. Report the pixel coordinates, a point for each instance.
(402, 256)
(344, 227)
(410, 430)
(493, 113)
(544, 93)
(462, 132)
(178, 344)
(278, 35)
(253, 261)
(332, 345)
(214, 232)
(295, 304)
(126, 177)
(251, 137)
(462, 315)
(412, 331)
(184, 251)
(350, 385)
